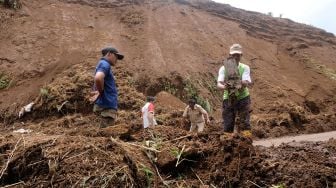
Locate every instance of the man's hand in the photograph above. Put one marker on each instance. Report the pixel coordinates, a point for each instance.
(245, 83)
(222, 85)
(239, 86)
(185, 120)
(208, 121)
(93, 96)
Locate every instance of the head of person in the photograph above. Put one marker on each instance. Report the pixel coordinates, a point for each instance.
(192, 103)
(236, 52)
(150, 99)
(112, 55)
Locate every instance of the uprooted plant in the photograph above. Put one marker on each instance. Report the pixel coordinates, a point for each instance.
(149, 174)
(155, 142)
(178, 154)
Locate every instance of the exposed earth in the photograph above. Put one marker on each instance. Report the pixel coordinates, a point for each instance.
(173, 50)
(299, 138)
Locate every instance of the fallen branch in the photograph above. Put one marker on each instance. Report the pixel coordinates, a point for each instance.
(24, 142)
(163, 181)
(144, 147)
(238, 167)
(98, 149)
(186, 136)
(67, 153)
(10, 157)
(187, 160)
(52, 143)
(77, 155)
(179, 156)
(14, 184)
(59, 108)
(34, 163)
(254, 183)
(157, 170)
(197, 176)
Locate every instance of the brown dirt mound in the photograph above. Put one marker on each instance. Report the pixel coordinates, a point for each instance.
(167, 100)
(58, 53)
(72, 150)
(284, 118)
(55, 162)
(314, 163)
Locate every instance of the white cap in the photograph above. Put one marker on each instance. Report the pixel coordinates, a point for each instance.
(236, 49)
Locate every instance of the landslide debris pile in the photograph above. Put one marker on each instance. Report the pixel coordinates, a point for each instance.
(64, 146)
(68, 148)
(163, 156)
(314, 163)
(277, 111)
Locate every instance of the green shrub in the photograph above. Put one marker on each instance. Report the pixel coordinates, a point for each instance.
(281, 185)
(320, 68)
(45, 94)
(170, 88)
(4, 81)
(190, 89)
(192, 92)
(149, 174)
(14, 4)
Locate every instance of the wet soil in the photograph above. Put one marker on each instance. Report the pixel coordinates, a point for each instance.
(319, 137)
(173, 50)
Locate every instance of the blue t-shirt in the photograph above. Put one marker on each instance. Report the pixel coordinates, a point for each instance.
(109, 99)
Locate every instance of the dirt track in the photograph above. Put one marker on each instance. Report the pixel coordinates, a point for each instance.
(320, 137)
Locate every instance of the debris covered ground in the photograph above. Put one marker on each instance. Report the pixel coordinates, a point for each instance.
(65, 146)
(59, 142)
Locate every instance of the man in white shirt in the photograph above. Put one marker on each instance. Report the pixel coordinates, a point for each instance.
(197, 116)
(234, 81)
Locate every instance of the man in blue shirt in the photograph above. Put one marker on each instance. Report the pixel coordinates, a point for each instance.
(105, 94)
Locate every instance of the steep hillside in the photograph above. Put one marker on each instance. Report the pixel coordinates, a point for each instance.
(173, 50)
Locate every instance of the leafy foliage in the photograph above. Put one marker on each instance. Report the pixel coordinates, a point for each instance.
(4, 81)
(149, 174)
(192, 92)
(281, 185)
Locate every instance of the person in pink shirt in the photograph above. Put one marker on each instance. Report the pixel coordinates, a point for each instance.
(148, 113)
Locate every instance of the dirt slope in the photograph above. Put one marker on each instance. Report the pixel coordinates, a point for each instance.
(173, 50)
(165, 37)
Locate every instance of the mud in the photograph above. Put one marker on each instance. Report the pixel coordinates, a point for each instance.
(173, 50)
(320, 137)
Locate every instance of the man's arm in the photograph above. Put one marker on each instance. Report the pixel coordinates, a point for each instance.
(246, 77)
(221, 85)
(185, 113)
(205, 113)
(99, 82)
(150, 118)
(220, 80)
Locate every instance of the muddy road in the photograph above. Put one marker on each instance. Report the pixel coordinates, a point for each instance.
(300, 138)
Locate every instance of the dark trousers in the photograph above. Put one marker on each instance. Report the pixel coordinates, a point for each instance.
(231, 109)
